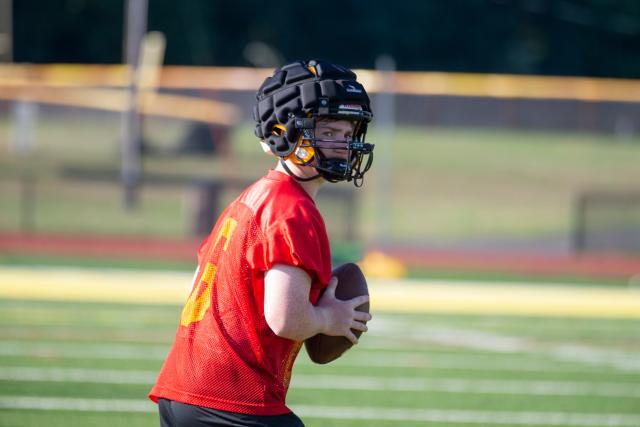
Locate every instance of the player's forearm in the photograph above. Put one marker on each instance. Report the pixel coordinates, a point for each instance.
(287, 308)
(297, 321)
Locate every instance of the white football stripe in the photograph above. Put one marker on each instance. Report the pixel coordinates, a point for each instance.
(475, 340)
(83, 351)
(100, 376)
(76, 404)
(345, 382)
(471, 417)
(457, 385)
(442, 416)
(369, 359)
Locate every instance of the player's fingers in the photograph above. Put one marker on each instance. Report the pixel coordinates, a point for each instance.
(351, 337)
(361, 316)
(359, 326)
(357, 301)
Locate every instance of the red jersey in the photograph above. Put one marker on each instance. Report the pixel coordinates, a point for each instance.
(224, 355)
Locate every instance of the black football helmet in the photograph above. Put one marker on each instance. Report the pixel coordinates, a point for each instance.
(297, 96)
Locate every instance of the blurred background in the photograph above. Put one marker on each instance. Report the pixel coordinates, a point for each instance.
(502, 127)
(507, 138)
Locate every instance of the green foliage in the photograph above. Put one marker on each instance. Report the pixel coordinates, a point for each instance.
(588, 37)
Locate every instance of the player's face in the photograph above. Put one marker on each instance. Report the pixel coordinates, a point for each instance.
(332, 136)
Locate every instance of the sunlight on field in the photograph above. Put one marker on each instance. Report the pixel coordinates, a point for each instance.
(82, 362)
(418, 296)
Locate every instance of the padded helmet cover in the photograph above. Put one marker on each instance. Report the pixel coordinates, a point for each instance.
(307, 89)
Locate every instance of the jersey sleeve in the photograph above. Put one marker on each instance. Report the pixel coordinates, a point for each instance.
(299, 240)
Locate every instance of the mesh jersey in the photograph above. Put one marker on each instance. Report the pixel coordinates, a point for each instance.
(224, 355)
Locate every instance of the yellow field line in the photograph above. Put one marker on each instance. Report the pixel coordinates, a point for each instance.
(68, 284)
(401, 82)
(143, 287)
(505, 299)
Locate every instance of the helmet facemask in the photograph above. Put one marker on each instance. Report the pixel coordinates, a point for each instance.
(351, 159)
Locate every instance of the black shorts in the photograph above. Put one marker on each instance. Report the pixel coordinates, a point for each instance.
(178, 414)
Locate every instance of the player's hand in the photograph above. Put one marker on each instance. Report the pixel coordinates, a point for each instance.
(340, 317)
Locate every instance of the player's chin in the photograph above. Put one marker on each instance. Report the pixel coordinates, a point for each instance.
(339, 155)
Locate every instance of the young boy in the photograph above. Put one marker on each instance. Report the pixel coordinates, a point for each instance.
(256, 294)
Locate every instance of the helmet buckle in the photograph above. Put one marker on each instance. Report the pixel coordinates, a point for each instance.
(323, 110)
(305, 123)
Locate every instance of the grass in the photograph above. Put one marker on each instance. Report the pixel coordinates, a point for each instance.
(483, 183)
(89, 262)
(451, 365)
(442, 185)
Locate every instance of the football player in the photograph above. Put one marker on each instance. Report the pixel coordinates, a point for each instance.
(256, 292)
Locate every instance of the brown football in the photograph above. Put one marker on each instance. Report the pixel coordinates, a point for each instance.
(351, 283)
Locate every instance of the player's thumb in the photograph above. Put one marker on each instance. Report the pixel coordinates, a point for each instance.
(331, 287)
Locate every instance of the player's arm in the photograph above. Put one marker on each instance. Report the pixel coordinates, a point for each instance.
(290, 314)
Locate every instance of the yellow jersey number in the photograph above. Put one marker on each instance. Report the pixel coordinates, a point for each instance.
(200, 298)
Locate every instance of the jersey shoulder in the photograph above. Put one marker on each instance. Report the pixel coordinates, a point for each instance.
(278, 197)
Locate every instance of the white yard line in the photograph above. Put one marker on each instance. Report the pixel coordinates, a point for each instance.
(83, 351)
(408, 360)
(450, 416)
(460, 362)
(346, 382)
(458, 385)
(365, 357)
(472, 417)
(587, 355)
(476, 340)
(75, 375)
(76, 404)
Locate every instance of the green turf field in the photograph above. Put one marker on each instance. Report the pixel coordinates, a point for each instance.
(446, 185)
(91, 364)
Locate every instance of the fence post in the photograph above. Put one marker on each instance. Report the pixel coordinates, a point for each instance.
(204, 206)
(579, 215)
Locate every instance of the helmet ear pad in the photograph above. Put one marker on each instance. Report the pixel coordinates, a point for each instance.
(302, 155)
(283, 139)
(278, 145)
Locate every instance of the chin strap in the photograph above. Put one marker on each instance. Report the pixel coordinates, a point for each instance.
(290, 172)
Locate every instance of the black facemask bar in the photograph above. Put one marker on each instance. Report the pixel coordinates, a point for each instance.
(352, 168)
(358, 159)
